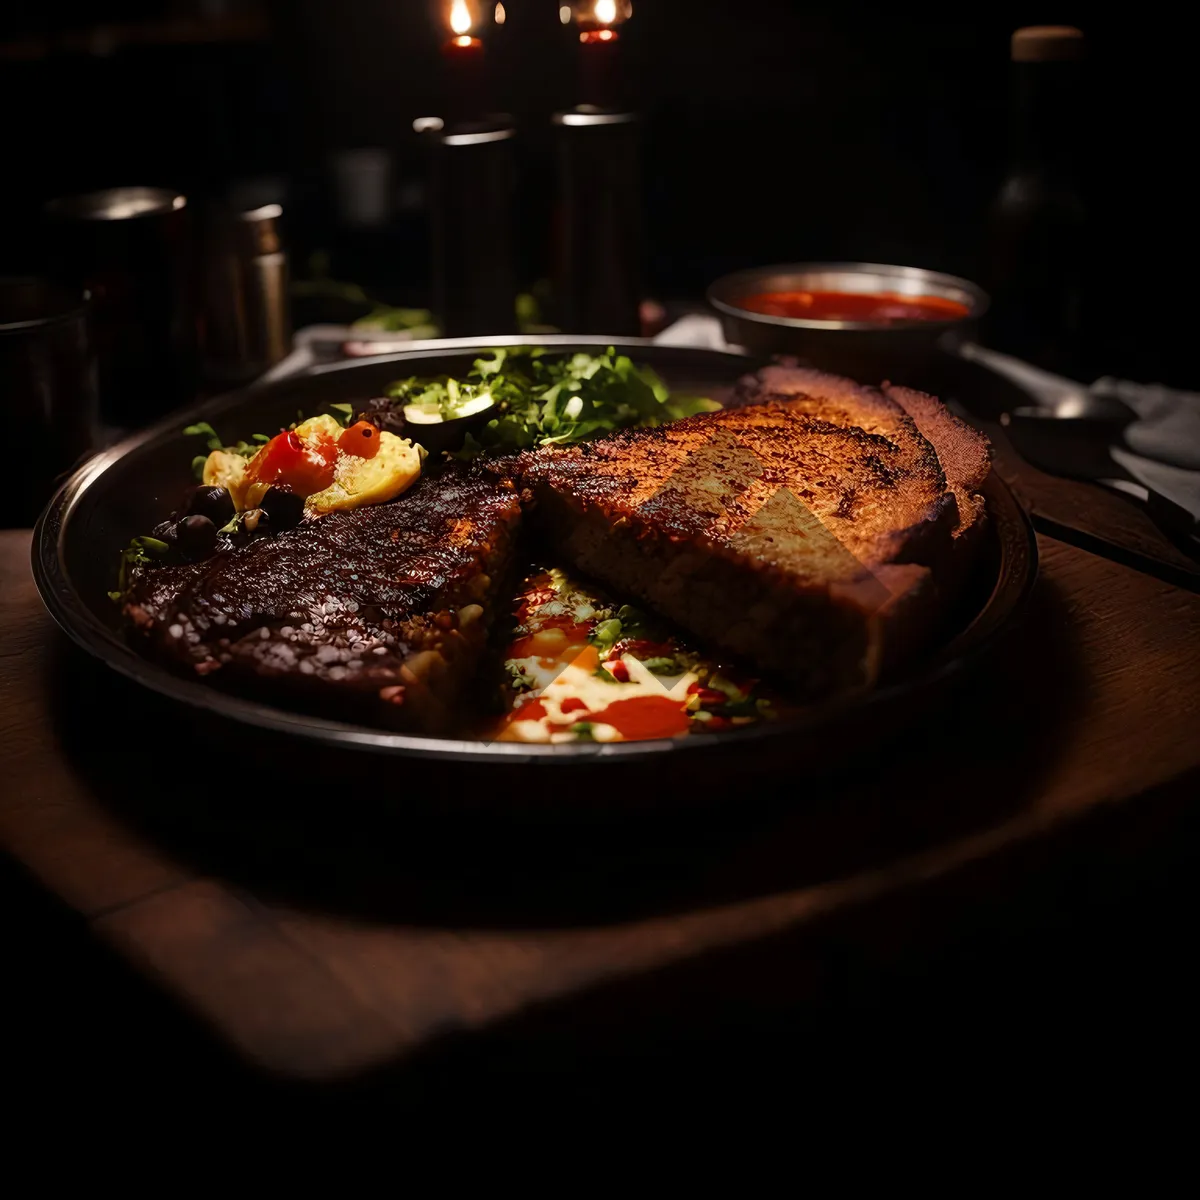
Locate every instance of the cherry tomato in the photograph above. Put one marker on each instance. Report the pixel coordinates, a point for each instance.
(305, 466)
(361, 440)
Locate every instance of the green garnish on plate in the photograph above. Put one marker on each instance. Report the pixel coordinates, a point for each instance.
(140, 552)
(543, 399)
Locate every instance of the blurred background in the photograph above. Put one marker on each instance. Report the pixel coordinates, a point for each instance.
(812, 131)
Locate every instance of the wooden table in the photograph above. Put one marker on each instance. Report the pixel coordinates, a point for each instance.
(321, 942)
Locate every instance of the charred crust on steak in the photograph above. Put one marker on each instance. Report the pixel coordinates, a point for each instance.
(346, 606)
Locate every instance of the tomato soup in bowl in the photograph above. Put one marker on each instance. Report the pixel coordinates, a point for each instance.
(866, 320)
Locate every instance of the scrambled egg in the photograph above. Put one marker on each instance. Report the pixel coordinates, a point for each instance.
(393, 469)
(358, 481)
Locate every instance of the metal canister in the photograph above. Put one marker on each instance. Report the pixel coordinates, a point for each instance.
(598, 275)
(246, 325)
(130, 249)
(47, 390)
(472, 219)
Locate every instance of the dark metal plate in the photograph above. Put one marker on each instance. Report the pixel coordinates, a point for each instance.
(122, 491)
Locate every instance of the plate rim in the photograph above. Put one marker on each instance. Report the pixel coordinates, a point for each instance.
(74, 617)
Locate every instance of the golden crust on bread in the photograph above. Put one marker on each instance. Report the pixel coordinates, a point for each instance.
(809, 531)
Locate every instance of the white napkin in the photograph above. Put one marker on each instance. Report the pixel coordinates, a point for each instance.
(695, 329)
(1161, 448)
(1168, 424)
(1177, 485)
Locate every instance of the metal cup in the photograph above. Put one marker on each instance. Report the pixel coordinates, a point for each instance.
(47, 391)
(130, 249)
(246, 316)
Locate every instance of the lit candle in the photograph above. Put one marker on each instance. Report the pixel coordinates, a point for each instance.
(465, 74)
(598, 37)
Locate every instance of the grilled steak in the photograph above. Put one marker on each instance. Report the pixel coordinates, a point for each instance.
(799, 532)
(375, 614)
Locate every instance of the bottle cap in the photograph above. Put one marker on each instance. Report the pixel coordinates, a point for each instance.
(1047, 43)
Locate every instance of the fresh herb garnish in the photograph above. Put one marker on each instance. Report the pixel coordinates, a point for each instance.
(544, 400)
(140, 552)
(663, 666)
(633, 621)
(214, 442)
(605, 636)
(719, 683)
(345, 413)
(584, 730)
(518, 680)
(204, 429)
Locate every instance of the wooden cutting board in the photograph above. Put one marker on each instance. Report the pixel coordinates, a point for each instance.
(321, 939)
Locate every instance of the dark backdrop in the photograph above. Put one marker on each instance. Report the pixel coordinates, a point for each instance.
(774, 131)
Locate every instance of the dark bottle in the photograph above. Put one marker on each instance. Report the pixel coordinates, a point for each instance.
(1037, 231)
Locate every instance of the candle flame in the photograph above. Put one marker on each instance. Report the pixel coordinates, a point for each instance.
(605, 11)
(500, 14)
(460, 17)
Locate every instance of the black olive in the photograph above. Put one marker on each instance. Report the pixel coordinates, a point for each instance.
(283, 507)
(215, 503)
(195, 536)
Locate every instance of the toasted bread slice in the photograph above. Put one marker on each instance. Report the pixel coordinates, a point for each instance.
(964, 453)
(896, 413)
(785, 532)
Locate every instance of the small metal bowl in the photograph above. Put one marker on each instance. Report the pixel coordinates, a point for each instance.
(902, 352)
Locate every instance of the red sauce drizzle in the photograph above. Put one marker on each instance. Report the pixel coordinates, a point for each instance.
(642, 717)
(531, 710)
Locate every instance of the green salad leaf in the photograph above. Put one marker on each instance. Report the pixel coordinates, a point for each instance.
(547, 400)
(214, 441)
(386, 318)
(605, 636)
